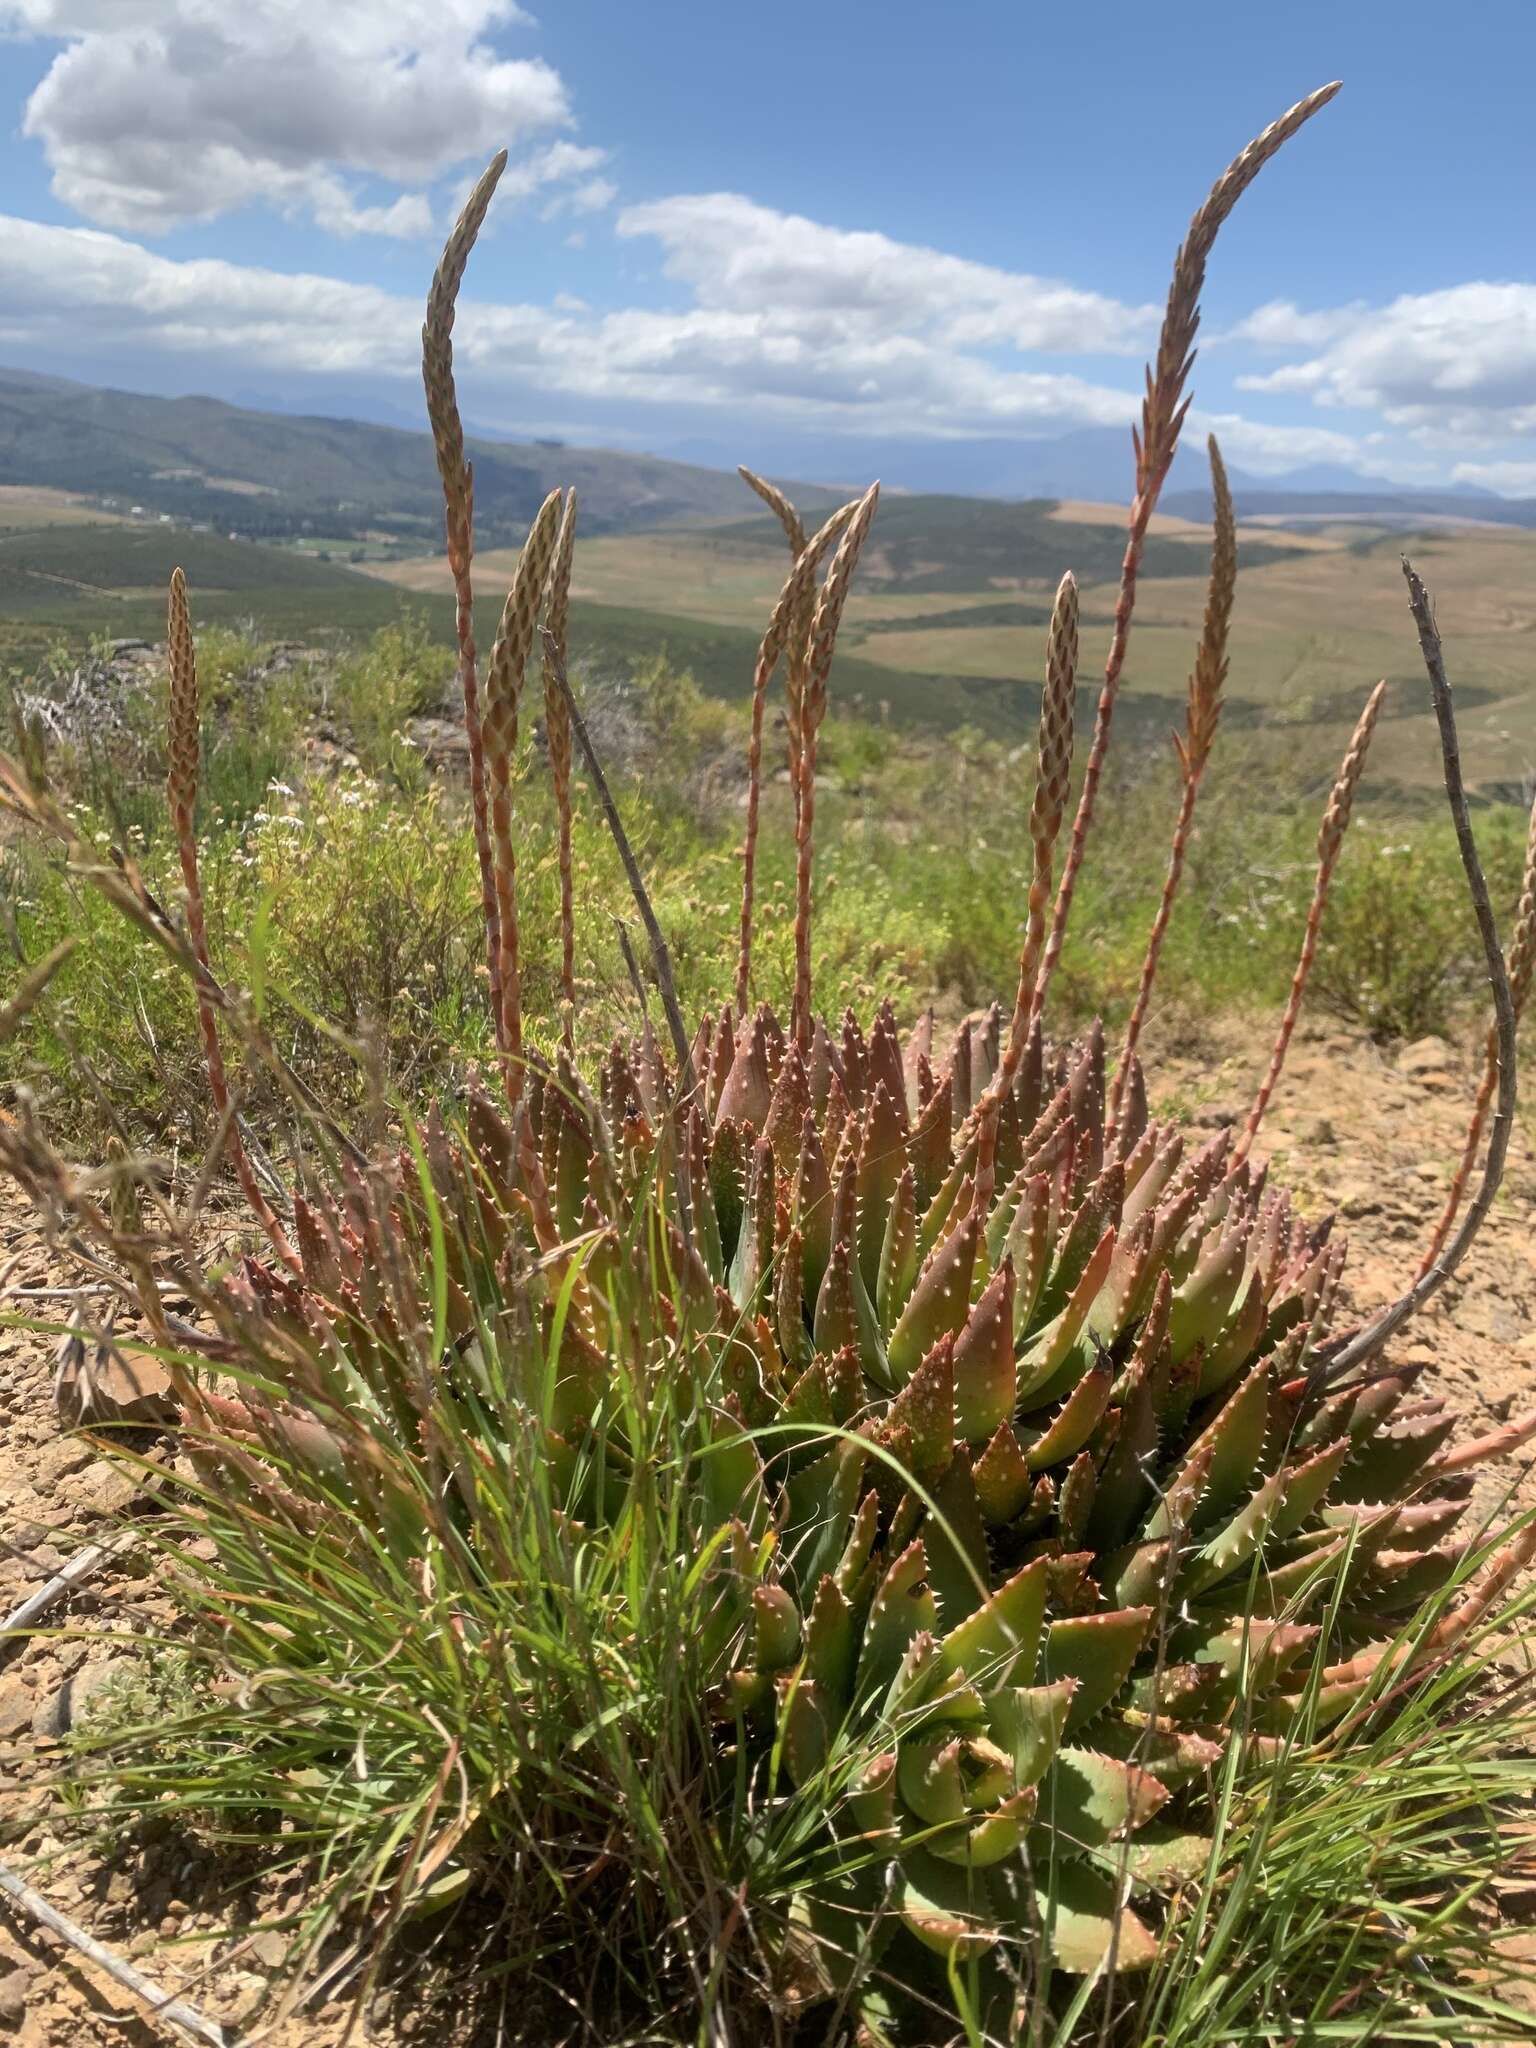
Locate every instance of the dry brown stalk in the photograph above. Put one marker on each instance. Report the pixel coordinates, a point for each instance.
(557, 733)
(1330, 838)
(1520, 961)
(503, 690)
(181, 795)
(820, 644)
(788, 626)
(458, 502)
(1162, 417)
(1206, 682)
(36, 979)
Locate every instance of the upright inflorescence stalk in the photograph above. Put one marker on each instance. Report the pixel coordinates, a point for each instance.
(1330, 838)
(788, 627)
(1053, 782)
(503, 691)
(458, 502)
(1162, 417)
(1519, 964)
(557, 734)
(1206, 682)
(805, 720)
(182, 747)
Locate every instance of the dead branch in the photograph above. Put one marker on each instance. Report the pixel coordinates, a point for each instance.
(1367, 1342)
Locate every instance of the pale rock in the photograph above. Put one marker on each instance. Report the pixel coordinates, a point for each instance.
(16, 1706)
(1426, 1056)
(103, 1488)
(109, 1383)
(14, 1986)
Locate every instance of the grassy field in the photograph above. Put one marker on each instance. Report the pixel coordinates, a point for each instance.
(69, 574)
(941, 632)
(938, 635)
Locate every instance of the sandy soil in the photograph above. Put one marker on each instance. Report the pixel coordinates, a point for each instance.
(1351, 1127)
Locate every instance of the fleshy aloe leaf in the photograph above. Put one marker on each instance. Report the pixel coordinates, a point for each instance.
(940, 1303)
(958, 1564)
(1027, 1721)
(998, 1643)
(1086, 1799)
(831, 1646)
(1004, 1482)
(805, 1727)
(926, 1407)
(998, 1835)
(949, 1909)
(1097, 1650)
(985, 1376)
(1074, 1422)
(775, 1628)
(1086, 1921)
(1235, 1441)
(903, 1608)
(898, 1253)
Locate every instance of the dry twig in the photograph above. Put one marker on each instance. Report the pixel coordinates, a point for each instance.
(171, 2010)
(1367, 1342)
(1521, 960)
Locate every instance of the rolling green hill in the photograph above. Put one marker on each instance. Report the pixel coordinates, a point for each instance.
(948, 545)
(68, 583)
(275, 476)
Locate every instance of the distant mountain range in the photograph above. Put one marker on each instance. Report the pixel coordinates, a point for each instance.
(1389, 506)
(275, 475)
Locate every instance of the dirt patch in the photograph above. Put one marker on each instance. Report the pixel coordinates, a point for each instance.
(1351, 1128)
(1376, 1135)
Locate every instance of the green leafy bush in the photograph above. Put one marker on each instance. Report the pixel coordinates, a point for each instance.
(1399, 954)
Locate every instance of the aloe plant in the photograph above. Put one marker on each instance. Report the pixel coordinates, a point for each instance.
(1023, 1485)
(1032, 1500)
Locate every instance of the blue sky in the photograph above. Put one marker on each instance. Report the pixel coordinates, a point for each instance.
(790, 232)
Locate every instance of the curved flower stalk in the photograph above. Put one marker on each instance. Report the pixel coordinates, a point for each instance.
(787, 638)
(457, 478)
(1330, 840)
(557, 733)
(1155, 445)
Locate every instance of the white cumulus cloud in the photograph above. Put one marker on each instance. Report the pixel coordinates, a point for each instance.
(1453, 364)
(81, 288)
(739, 256)
(156, 113)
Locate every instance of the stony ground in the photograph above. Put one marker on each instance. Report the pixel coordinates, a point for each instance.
(1351, 1127)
